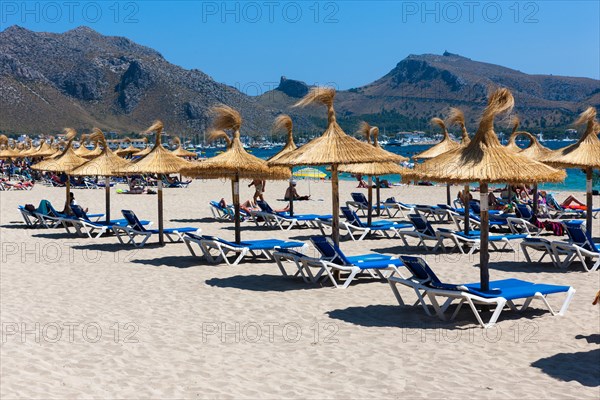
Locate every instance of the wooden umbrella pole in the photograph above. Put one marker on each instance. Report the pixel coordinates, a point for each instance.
(466, 207)
(378, 196)
(335, 201)
(536, 199)
(161, 239)
(370, 200)
(68, 187)
(235, 187)
(484, 229)
(589, 200)
(291, 199)
(448, 199)
(107, 196)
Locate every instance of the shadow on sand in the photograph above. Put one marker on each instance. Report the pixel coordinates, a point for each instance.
(582, 367)
(261, 283)
(396, 316)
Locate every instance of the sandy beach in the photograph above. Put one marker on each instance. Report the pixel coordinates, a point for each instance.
(86, 318)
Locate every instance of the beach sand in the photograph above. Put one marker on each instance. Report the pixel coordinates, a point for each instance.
(88, 318)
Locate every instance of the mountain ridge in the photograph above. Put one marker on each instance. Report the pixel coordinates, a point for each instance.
(88, 79)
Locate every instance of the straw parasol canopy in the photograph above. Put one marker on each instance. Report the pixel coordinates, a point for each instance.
(374, 169)
(106, 164)
(158, 161)
(235, 162)
(485, 160)
(446, 144)
(181, 152)
(584, 154)
(124, 152)
(45, 149)
(145, 151)
(83, 151)
(6, 150)
(95, 152)
(456, 116)
(29, 150)
(534, 150)
(512, 140)
(66, 162)
(333, 148)
(284, 122)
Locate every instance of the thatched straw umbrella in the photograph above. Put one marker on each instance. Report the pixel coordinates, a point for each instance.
(145, 151)
(285, 122)
(66, 162)
(333, 148)
(83, 151)
(235, 162)
(158, 161)
(29, 149)
(512, 140)
(181, 152)
(129, 150)
(44, 150)
(485, 160)
(95, 152)
(456, 116)
(584, 154)
(537, 152)
(7, 151)
(446, 144)
(107, 164)
(373, 169)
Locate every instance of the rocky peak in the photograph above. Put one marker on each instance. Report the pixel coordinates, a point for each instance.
(292, 87)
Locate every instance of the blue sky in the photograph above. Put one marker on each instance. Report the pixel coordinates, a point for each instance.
(250, 44)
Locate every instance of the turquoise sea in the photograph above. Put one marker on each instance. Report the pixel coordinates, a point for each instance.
(575, 180)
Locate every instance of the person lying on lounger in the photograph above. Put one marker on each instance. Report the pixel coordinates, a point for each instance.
(568, 203)
(248, 207)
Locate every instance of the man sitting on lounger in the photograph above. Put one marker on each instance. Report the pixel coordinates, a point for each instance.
(292, 193)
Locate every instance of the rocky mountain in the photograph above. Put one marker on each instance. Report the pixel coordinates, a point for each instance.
(424, 86)
(81, 78)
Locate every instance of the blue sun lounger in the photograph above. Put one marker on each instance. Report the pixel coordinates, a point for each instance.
(502, 292)
(360, 203)
(358, 230)
(280, 219)
(423, 231)
(580, 247)
(85, 226)
(222, 247)
(333, 259)
(473, 240)
(135, 228)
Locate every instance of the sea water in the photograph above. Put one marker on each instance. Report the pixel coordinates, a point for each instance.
(575, 180)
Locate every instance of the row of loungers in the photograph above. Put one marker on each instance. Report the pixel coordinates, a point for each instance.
(579, 247)
(130, 229)
(333, 265)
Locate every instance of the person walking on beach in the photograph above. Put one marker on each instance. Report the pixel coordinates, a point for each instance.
(259, 188)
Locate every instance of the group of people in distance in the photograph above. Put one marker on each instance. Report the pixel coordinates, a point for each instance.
(259, 190)
(521, 194)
